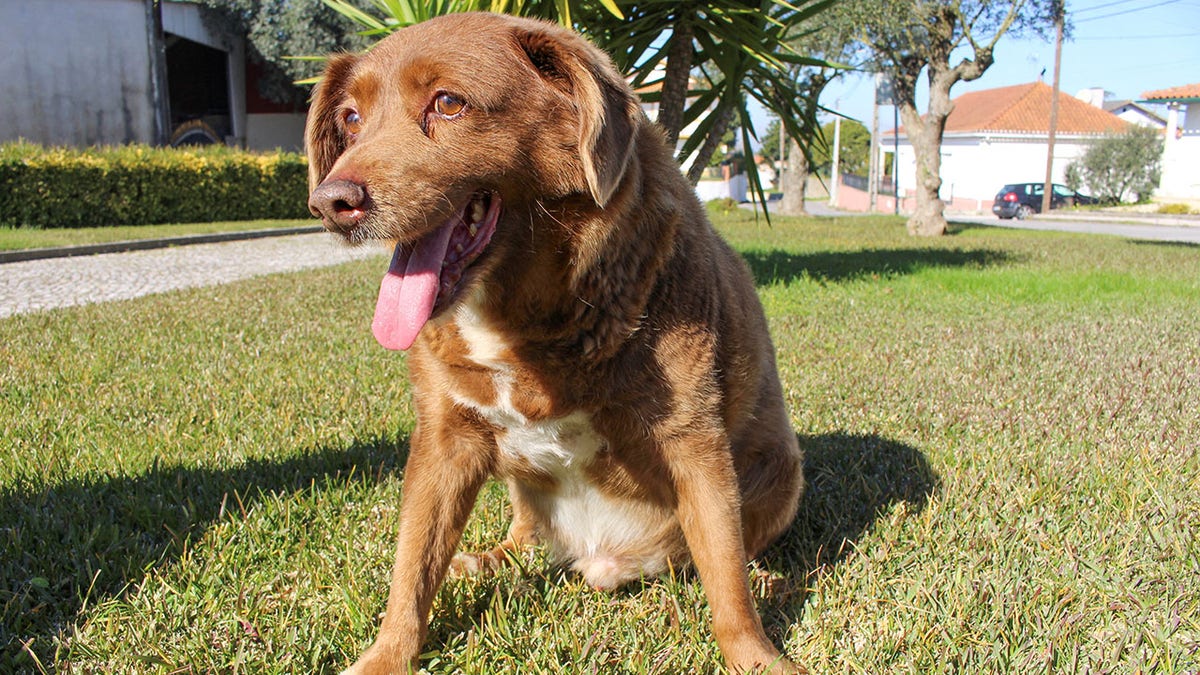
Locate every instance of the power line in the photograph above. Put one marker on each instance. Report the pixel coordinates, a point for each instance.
(1104, 6)
(1137, 37)
(1127, 11)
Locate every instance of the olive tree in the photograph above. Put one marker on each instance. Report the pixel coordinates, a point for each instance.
(277, 31)
(1120, 167)
(947, 42)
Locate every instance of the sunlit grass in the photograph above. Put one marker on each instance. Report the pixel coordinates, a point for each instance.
(1002, 432)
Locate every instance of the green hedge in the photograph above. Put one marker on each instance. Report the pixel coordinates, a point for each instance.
(140, 185)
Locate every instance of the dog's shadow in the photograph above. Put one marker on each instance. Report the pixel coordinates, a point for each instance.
(82, 541)
(853, 480)
(137, 522)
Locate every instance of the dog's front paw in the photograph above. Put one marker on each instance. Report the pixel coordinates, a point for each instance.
(778, 666)
(472, 564)
(379, 660)
(760, 658)
(483, 562)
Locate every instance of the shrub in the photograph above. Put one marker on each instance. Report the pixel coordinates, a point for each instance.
(1174, 209)
(140, 185)
(1121, 167)
(724, 205)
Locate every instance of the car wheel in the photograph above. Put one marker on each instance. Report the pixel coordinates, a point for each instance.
(1024, 212)
(195, 132)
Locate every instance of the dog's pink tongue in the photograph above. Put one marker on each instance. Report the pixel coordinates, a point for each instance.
(409, 290)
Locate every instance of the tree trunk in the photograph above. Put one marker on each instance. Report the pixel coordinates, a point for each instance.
(928, 218)
(673, 96)
(793, 181)
(925, 134)
(705, 153)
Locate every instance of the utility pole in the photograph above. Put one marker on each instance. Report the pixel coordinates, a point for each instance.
(1058, 26)
(895, 156)
(836, 169)
(873, 169)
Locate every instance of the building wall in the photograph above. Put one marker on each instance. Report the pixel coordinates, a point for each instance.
(76, 72)
(1181, 158)
(974, 168)
(268, 131)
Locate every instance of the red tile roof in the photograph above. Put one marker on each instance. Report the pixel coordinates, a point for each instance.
(1174, 93)
(1025, 108)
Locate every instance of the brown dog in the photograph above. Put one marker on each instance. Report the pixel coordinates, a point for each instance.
(577, 326)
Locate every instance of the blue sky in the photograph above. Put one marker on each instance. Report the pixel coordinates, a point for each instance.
(1125, 46)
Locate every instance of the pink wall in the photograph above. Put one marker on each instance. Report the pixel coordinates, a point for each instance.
(852, 199)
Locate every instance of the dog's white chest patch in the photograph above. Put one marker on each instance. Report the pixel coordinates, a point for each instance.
(603, 536)
(485, 346)
(558, 446)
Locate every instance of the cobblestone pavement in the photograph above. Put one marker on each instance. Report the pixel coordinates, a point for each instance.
(63, 282)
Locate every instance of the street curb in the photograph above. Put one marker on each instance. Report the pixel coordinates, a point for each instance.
(146, 244)
(1124, 219)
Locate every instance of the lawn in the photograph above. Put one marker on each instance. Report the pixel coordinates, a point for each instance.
(19, 238)
(1001, 427)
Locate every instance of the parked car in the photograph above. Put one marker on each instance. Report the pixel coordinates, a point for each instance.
(1021, 200)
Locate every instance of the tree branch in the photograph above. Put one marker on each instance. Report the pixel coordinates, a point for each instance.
(715, 134)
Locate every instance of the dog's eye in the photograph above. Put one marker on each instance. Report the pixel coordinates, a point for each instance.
(353, 122)
(448, 105)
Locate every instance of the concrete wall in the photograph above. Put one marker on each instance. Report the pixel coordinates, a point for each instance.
(268, 131)
(76, 72)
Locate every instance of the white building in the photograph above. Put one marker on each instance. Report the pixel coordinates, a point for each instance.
(107, 72)
(1181, 153)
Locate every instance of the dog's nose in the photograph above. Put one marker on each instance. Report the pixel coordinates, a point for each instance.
(341, 204)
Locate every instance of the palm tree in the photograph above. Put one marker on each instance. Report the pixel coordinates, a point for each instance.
(712, 57)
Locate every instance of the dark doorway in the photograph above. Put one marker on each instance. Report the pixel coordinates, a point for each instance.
(198, 89)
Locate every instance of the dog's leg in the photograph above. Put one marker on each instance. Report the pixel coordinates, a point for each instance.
(771, 487)
(521, 534)
(442, 478)
(709, 513)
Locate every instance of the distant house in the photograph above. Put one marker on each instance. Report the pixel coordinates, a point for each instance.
(1130, 111)
(84, 72)
(1135, 113)
(999, 136)
(1181, 154)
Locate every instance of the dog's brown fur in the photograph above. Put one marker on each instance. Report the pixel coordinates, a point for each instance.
(607, 357)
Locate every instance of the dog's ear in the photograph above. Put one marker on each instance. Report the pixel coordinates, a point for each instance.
(606, 107)
(323, 139)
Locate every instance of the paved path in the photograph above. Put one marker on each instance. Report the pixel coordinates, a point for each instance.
(62, 282)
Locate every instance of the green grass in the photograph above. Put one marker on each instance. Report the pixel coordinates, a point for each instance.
(17, 238)
(1002, 430)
